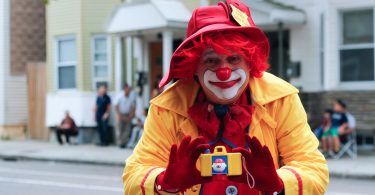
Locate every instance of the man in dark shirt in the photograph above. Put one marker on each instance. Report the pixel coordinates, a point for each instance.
(102, 109)
(338, 121)
(338, 118)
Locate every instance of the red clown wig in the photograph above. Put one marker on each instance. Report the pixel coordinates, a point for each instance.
(254, 53)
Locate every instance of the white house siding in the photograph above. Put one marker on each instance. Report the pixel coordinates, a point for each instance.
(16, 101)
(4, 26)
(304, 47)
(13, 97)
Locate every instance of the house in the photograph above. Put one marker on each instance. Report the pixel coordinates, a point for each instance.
(325, 48)
(79, 58)
(22, 32)
(334, 50)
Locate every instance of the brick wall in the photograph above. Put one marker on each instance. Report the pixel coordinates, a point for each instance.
(27, 34)
(360, 103)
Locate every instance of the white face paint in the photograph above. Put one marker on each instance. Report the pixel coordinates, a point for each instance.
(225, 90)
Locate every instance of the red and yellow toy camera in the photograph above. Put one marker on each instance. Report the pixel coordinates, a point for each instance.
(220, 163)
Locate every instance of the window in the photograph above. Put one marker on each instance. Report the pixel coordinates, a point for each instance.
(100, 60)
(357, 46)
(66, 63)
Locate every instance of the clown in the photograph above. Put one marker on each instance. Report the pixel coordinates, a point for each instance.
(224, 97)
(219, 166)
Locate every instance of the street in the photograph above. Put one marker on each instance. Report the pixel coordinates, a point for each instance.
(45, 178)
(351, 187)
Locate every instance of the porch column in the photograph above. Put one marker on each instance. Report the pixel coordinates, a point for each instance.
(146, 69)
(167, 49)
(118, 63)
(129, 60)
(137, 67)
(280, 50)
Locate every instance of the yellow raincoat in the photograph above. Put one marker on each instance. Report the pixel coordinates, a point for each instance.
(279, 121)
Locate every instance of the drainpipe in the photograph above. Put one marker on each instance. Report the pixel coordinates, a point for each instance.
(280, 50)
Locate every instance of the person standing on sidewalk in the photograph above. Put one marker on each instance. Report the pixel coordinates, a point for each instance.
(102, 110)
(125, 111)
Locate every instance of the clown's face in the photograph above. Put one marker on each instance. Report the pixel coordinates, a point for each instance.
(219, 167)
(222, 77)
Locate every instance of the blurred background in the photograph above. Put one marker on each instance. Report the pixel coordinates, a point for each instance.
(55, 54)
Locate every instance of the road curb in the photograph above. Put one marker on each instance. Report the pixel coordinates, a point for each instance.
(12, 157)
(351, 176)
(73, 161)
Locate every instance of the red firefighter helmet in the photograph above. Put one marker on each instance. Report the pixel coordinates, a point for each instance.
(231, 15)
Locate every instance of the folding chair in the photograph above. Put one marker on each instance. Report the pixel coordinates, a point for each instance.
(349, 147)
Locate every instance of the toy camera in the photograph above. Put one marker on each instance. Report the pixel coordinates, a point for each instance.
(220, 163)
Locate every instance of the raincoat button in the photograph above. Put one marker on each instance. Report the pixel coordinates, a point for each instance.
(231, 190)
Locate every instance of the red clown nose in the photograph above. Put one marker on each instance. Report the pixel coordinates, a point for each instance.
(223, 73)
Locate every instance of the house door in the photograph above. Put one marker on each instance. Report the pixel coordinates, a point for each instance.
(156, 66)
(274, 54)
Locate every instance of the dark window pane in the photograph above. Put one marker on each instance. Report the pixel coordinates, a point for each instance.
(357, 65)
(67, 77)
(358, 27)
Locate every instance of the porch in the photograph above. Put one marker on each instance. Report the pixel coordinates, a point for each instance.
(148, 32)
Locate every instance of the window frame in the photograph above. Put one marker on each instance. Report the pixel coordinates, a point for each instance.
(64, 64)
(350, 85)
(94, 63)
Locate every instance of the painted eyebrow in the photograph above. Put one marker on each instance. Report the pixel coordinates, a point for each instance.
(209, 56)
(208, 52)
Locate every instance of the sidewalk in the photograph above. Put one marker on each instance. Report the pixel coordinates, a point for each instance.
(38, 150)
(361, 168)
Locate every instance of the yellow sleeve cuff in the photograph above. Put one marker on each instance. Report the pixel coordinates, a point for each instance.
(289, 178)
(149, 184)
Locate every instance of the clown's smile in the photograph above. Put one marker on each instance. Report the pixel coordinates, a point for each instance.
(225, 85)
(225, 89)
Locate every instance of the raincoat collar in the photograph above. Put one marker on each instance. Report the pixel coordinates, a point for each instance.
(180, 96)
